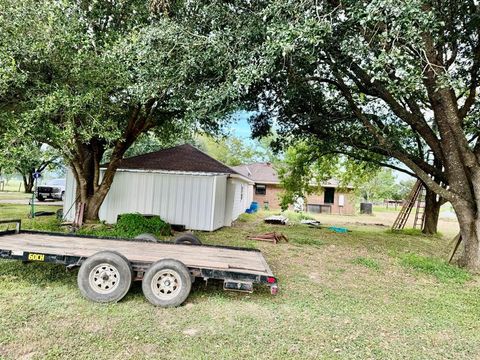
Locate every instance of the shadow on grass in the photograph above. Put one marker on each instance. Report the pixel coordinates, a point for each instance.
(42, 274)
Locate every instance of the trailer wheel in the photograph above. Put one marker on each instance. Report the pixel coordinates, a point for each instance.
(188, 239)
(105, 277)
(147, 237)
(167, 283)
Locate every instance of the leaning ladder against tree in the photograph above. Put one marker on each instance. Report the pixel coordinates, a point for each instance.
(417, 198)
(404, 214)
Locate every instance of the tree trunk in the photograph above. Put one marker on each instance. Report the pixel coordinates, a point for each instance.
(86, 163)
(28, 182)
(470, 231)
(432, 213)
(86, 168)
(92, 207)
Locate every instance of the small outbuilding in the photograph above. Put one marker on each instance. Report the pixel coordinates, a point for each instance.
(328, 198)
(182, 185)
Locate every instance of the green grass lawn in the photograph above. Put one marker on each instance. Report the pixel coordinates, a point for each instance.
(366, 294)
(14, 195)
(13, 186)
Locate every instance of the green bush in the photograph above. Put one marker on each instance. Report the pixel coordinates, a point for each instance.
(131, 225)
(443, 271)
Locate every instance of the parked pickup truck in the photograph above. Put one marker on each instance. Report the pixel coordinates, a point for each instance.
(54, 189)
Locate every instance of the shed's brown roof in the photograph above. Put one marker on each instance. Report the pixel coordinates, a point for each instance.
(179, 158)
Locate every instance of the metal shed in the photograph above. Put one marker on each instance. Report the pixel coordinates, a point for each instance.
(182, 185)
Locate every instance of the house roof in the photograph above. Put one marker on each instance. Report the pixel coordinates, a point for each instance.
(182, 158)
(259, 172)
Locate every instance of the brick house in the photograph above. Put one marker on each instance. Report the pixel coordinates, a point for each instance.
(267, 190)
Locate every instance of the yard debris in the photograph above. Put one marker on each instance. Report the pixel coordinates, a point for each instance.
(44, 213)
(270, 237)
(311, 223)
(336, 229)
(276, 219)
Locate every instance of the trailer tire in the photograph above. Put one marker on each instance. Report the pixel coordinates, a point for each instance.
(167, 283)
(105, 277)
(188, 239)
(147, 237)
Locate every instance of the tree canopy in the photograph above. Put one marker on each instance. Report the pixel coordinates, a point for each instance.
(391, 80)
(90, 77)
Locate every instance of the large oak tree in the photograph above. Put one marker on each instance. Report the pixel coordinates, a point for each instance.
(88, 78)
(397, 80)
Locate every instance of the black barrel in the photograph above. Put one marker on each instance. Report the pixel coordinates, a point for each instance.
(366, 208)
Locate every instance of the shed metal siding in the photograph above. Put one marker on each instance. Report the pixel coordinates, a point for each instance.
(219, 201)
(237, 199)
(70, 192)
(183, 199)
(200, 202)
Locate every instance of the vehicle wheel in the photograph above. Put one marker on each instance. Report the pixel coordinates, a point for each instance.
(188, 239)
(167, 283)
(40, 198)
(105, 277)
(62, 197)
(147, 237)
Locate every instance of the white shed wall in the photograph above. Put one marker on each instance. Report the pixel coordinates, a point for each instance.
(70, 195)
(183, 199)
(200, 202)
(237, 199)
(218, 218)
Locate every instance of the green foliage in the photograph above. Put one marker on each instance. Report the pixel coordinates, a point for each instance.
(245, 217)
(131, 225)
(443, 271)
(382, 185)
(232, 150)
(405, 187)
(25, 156)
(305, 169)
(229, 150)
(369, 263)
(368, 80)
(89, 78)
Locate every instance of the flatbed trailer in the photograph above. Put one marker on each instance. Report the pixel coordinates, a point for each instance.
(109, 266)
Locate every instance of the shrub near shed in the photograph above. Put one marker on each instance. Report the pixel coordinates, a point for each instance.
(131, 225)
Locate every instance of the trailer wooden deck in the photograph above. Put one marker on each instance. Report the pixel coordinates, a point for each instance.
(211, 257)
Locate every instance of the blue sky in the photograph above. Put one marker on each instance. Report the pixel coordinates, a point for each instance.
(240, 127)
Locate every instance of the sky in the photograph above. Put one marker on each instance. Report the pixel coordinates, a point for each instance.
(240, 127)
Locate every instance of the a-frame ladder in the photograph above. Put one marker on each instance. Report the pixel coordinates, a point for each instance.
(415, 198)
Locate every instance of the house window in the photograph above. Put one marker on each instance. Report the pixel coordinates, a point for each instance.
(241, 192)
(260, 189)
(329, 196)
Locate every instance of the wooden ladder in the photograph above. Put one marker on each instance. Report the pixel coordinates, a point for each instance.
(420, 211)
(407, 207)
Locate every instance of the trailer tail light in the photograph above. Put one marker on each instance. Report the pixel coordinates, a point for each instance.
(274, 290)
(271, 280)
